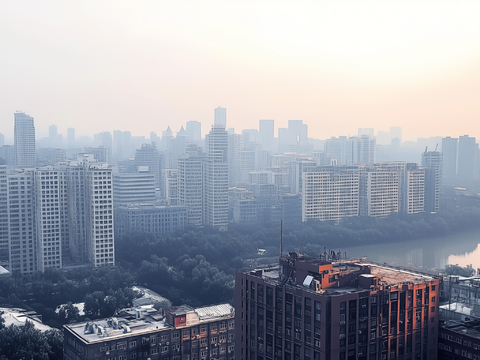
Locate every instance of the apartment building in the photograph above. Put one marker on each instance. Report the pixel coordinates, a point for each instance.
(329, 308)
(145, 333)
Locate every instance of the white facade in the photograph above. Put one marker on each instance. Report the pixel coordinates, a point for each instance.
(50, 202)
(216, 179)
(330, 195)
(21, 222)
(380, 193)
(24, 141)
(190, 186)
(133, 188)
(415, 191)
(99, 216)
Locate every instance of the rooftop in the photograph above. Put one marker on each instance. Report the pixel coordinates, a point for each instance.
(18, 317)
(145, 320)
(334, 276)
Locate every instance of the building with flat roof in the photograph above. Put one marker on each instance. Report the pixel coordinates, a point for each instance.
(24, 133)
(329, 308)
(145, 333)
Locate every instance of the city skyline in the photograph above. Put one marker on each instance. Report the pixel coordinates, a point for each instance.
(336, 66)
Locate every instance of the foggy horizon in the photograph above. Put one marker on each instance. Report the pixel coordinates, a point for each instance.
(337, 66)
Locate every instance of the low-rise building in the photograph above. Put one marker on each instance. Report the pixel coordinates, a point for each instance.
(146, 333)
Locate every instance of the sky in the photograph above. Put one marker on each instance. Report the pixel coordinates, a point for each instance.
(337, 65)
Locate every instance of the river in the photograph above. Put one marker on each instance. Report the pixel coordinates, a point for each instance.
(432, 253)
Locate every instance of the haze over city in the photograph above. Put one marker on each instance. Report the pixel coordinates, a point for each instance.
(336, 65)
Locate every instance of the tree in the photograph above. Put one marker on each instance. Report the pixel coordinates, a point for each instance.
(26, 342)
(68, 313)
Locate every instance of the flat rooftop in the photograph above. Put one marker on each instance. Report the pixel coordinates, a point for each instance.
(143, 320)
(470, 328)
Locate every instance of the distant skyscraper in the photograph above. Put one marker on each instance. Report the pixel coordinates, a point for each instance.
(190, 184)
(105, 139)
(221, 117)
(24, 140)
(194, 131)
(148, 155)
(466, 160)
(2, 140)
(267, 133)
(71, 137)
(121, 144)
(432, 161)
(297, 131)
(449, 153)
(216, 179)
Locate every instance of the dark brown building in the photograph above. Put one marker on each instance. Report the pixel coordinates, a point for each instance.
(145, 333)
(308, 308)
(459, 340)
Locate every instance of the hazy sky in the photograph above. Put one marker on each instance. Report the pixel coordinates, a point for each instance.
(143, 65)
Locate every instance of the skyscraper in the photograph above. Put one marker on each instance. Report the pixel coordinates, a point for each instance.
(24, 134)
(216, 179)
(220, 117)
(449, 154)
(194, 131)
(190, 184)
(466, 160)
(432, 161)
(71, 137)
(267, 133)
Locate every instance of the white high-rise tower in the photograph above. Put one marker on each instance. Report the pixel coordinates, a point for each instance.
(24, 140)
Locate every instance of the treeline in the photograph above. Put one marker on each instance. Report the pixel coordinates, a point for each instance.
(197, 266)
(26, 342)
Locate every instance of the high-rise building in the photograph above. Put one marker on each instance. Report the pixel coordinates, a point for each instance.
(121, 144)
(57, 216)
(432, 161)
(99, 216)
(216, 179)
(104, 139)
(330, 308)
(449, 155)
(24, 134)
(267, 133)
(2, 139)
(171, 186)
(131, 188)
(50, 216)
(190, 184)
(54, 138)
(220, 118)
(194, 131)
(4, 248)
(466, 160)
(378, 195)
(148, 155)
(330, 193)
(71, 137)
(21, 221)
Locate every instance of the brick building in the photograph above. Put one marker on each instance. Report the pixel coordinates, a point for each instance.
(325, 308)
(183, 333)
